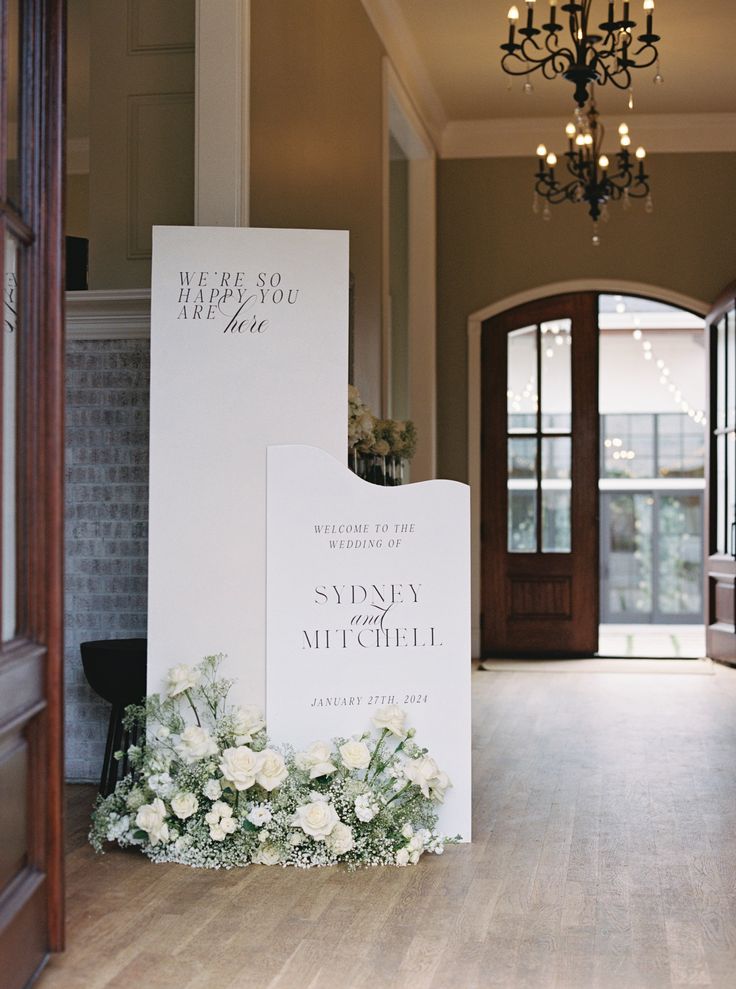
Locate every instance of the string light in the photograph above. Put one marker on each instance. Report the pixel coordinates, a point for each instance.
(665, 379)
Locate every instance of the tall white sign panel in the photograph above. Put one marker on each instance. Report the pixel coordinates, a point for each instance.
(248, 348)
(369, 605)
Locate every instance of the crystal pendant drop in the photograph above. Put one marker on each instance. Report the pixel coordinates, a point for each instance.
(605, 215)
(596, 239)
(648, 204)
(528, 89)
(535, 203)
(658, 79)
(626, 204)
(546, 214)
(631, 99)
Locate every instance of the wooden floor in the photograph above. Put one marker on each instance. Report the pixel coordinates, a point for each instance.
(604, 856)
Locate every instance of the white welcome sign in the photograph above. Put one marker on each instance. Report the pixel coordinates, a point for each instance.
(248, 348)
(369, 605)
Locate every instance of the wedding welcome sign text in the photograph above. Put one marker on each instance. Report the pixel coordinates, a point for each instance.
(248, 348)
(368, 607)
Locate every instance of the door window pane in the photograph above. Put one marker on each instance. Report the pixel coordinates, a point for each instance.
(721, 365)
(521, 380)
(12, 85)
(556, 528)
(680, 446)
(522, 495)
(680, 554)
(522, 521)
(629, 556)
(628, 445)
(721, 494)
(556, 344)
(9, 448)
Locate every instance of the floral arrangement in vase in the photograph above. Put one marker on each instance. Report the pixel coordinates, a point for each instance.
(208, 790)
(378, 448)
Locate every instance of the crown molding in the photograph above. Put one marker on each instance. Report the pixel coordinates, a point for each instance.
(390, 25)
(77, 156)
(518, 137)
(109, 314)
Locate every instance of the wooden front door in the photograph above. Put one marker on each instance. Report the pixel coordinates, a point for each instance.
(540, 479)
(720, 547)
(31, 488)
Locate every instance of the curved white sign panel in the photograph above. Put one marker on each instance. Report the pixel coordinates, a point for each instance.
(369, 604)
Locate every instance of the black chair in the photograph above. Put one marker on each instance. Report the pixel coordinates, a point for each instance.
(116, 670)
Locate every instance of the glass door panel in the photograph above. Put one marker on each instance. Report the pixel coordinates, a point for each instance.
(556, 343)
(627, 553)
(680, 556)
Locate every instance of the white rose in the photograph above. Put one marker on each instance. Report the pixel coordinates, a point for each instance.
(355, 755)
(438, 785)
(247, 721)
(212, 789)
(340, 839)
(181, 678)
(267, 855)
(272, 771)
(240, 766)
(420, 771)
(414, 857)
(151, 818)
(316, 819)
(229, 825)
(259, 815)
(221, 809)
(184, 805)
(195, 743)
(317, 759)
(297, 838)
(407, 831)
(365, 807)
(391, 718)
(402, 856)
(217, 833)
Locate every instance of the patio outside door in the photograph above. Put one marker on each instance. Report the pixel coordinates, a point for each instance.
(540, 479)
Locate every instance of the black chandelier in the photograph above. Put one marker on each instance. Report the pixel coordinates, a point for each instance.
(585, 57)
(593, 178)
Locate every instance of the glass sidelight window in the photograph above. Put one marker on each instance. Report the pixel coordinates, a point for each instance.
(539, 437)
(724, 495)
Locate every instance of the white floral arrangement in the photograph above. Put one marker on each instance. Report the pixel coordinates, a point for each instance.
(207, 789)
(360, 420)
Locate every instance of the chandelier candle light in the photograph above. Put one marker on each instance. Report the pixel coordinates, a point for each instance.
(585, 57)
(595, 179)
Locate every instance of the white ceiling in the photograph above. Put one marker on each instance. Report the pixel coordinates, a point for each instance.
(457, 42)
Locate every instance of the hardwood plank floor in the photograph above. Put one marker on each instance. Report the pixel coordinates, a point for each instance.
(604, 858)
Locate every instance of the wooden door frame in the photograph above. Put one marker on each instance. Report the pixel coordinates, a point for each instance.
(714, 565)
(603, 286)
(31, 665)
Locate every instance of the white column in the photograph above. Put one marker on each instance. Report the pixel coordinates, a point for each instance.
(221, 173)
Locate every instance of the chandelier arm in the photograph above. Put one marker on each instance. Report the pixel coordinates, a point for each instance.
(644, 65)
(526, 70)
(613, 77)
(639, 189)
(551, 69)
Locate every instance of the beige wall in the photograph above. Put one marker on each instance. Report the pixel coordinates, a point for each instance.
(317, 142)
(491, 245)
(76, 206)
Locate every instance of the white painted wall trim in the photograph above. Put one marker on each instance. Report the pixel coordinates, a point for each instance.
(391, 27)
(475, 323)
(104, 314)
(402, 120)
(222, 113)
(659, 133)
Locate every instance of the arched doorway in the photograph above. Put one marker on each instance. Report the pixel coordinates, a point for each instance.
(546, 587)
